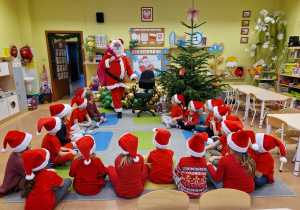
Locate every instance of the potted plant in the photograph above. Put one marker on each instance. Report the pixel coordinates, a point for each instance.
(89, 49)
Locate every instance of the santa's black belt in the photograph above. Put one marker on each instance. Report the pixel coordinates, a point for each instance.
(114, 77)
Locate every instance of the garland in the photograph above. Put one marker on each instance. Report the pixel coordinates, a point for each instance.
(51, 38)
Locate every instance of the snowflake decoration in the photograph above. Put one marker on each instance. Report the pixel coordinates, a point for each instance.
(138, 74)
(166, 61)
(252, 53)
(131, 65)
(165, 50)
(160, 56)
(156, 74)
(128, 53)
(163, 68)
(134, 58)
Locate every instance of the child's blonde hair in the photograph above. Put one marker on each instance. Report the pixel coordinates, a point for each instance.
(88, 95)
(126, 160)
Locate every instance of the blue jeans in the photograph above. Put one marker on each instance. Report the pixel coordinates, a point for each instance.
(96, 119)
(259, 182)
(217, 185)
(201, 121)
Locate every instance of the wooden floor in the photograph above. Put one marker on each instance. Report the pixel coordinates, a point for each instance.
(27, 122)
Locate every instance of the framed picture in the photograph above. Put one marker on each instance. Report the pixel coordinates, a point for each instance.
(244, 40)
(245, 23)
(244, 31)
(246, 14)
(147, 14)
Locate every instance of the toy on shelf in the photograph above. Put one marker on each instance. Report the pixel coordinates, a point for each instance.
(172, 38)
(231, 62)
(181, 43)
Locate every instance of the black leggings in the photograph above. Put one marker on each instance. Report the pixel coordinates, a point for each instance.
(185, 127)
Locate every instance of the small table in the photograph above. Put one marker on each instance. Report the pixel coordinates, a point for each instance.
(261, 94)
(292, 119)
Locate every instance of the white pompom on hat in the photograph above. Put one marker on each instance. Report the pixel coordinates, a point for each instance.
(86, 146)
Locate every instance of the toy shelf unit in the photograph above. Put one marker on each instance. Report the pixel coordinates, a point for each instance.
(267, 78)
(289, 84)
(295, 53)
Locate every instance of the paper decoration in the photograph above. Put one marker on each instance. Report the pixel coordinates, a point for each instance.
(181, 72)
(172, 38)
(160, 37)
(231, 62)
(261, 62)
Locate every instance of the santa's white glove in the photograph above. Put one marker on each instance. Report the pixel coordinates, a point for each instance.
(112, 59)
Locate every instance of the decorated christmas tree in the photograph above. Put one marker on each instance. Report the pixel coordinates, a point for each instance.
(188, 74)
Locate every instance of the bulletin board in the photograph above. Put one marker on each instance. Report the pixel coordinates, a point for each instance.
(148, 37)
(148, 59)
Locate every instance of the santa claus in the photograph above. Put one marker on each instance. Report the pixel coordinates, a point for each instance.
(117, 66)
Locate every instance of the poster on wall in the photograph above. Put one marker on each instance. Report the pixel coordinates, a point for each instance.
(148, 37)
(151, 59)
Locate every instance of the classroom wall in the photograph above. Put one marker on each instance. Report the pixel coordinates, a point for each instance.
(223, 22)
(292, 9)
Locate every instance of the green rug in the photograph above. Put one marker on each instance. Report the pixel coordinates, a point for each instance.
(145, 139)
(147, 119)
(101, 109)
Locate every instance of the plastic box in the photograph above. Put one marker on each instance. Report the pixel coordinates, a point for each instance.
(34, 95)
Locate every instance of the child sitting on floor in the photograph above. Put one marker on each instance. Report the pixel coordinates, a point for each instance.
(171, 119)
(43, 189)
(264, 161)
(209, 105)
(92, 110)
(80, 117)
(216, 150)
(237, 169)
(58, 154)
(130, 173)
(161, 159)
(63, 135)
(190, 173)
(14, 172)
(88, 170)
(191, 116)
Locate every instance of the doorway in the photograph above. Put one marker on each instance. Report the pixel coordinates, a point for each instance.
(63, 59)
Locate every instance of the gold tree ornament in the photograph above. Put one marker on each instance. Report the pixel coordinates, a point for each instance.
(99, 89)
(103, 88)
(160, 92)
(150, 102)
(98, 97)
(130, 96)
(123, 102)
(128, 89)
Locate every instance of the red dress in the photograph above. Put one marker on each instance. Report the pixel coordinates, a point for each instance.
(42, 196)
(128, 180)
(88, 178)
(190, 175)
(77, 114)
(161, 170)
(233, 174)
(176, 111)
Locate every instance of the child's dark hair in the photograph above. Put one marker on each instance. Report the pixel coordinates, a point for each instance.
(88, 95)
(28, 186)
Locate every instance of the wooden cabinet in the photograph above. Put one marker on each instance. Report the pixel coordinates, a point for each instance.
(4, 71)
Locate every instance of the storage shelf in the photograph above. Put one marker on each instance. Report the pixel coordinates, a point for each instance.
(90, 63)
(290, 86)
(97, 48)
(264, 79)
(286, 75)
(294, 48)
(295, 58)
(174, 47)
(268, 71)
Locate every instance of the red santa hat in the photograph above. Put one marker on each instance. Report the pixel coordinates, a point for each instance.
(161, 138)
(35, 160)
(231, 118)
(80, 93)
(196, 105)
(215, 102)
(196, 144)
(239, 141)
(128, 144)
(179, 99)
(264, 143)
(51, 124)
(229, 126)
(86, 146)
(60, 110)
(220, 111)
(18, 141)
(120, 41)
(80, 102)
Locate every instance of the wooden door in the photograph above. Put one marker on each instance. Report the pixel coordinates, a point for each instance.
(62, 80)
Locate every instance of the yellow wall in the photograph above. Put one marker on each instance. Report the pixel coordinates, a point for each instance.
(223, 21)
(292, 9)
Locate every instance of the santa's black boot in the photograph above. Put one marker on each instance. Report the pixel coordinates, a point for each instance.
(119, 114)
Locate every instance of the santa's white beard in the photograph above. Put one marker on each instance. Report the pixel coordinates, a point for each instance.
(118, 52)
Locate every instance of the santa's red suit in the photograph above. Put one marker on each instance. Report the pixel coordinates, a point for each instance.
(118, 69)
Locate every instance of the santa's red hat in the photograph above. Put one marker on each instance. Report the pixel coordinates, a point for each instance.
(179, 99)
(264, 143)
(239, 141)
(80, 102)
(161, 138)
(86, 146)
(229, 126)
(35, 160)
(196, 144)
(214, 102)
(196, 105)
(60, 110)
(231, 118)
(51, 124)
(220, 111)
(120, 41)
(18, 141)
(128, 144)
(80, 93)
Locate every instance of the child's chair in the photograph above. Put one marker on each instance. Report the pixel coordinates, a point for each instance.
(239, 100)
(255, 107)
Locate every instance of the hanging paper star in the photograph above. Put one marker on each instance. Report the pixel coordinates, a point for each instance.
(128, 53)
(134, 58)
(165, 50)
(166, 61)
(160, 56)
(164, 68)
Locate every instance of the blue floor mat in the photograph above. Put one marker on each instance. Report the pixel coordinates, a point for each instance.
(112, 119)
(102, 139)
(189, 134)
